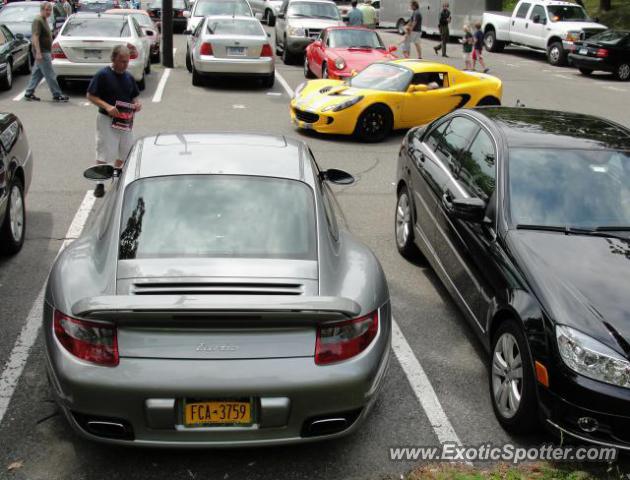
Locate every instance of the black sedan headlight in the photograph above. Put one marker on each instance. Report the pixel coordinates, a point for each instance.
(591, 358)
(342, 106)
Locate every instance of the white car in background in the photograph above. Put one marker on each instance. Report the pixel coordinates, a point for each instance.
(268, 9)
(86, 41)
(230, 46)
(204, 8)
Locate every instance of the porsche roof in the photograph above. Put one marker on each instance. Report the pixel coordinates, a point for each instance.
(219, 153)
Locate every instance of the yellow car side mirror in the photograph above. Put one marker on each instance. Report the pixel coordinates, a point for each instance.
(418, 88)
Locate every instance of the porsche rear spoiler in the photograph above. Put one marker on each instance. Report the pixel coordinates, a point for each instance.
(131, 307)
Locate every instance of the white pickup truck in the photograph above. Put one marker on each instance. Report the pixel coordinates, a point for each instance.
(548, 25)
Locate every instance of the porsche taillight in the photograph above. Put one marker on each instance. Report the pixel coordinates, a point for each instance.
(343, 340)
(56, 51)
(205, 49)
(266, 51)
(93, 342)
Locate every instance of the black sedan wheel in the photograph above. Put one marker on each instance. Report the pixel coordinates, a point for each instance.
(6, 82)
(585, 71)
(403, 227)
(188, 62)
(374, 124)
(623, 72)
(13, 228)
(512, 383)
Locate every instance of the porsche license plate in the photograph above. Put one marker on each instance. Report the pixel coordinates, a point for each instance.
(236, 51)
(217, 413)
(583, 51)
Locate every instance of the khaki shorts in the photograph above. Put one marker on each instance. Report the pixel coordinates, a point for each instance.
(111, 144)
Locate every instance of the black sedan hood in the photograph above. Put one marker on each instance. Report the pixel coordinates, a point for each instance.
(20, 27)
(582, 281)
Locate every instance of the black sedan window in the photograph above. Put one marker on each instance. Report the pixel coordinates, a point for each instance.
(609, 37)
(581, 188)
(478, 167)
(19, 13)
(218, 216)
(456, 138)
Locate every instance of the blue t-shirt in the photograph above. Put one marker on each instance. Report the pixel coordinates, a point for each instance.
(478, 40)
(355, 17)
(110, 86)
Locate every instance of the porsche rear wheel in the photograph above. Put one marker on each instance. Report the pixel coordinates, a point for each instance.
(374, 124)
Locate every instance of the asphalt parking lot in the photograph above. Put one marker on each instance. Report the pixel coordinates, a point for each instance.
(435, 348)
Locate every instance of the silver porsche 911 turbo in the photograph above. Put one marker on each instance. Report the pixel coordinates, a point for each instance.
(214, 300)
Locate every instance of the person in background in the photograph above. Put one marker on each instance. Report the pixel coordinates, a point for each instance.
(467, 47)
(110, 85)
(355, 16)
(477, 54)
(405, 45)
(445, 19)
(415, 25)
(67, 7)
(41, 40)
(369, 14)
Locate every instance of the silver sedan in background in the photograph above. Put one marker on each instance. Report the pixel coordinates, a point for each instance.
(216, 300)
(230, 46)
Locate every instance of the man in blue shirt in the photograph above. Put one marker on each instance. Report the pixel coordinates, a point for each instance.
(110, 89)
(355, 17)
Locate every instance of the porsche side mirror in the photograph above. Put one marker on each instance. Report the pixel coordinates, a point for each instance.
(339, 177)
(186, 13)
(418, 88)
(469, 209)
(99, 172)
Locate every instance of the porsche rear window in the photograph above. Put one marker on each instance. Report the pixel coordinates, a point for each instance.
(218, 216)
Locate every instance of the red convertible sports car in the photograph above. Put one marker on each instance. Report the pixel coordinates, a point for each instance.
(341, 52)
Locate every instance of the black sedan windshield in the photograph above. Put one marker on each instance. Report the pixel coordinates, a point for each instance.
(579, 188)
(18, 13)
(218, 216)
(381, 76)
(609, 37)
(354, 38)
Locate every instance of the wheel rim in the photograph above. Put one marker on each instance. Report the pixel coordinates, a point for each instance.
(507, 375)
(624, 71)
(554, 54)
(403, 220)
(16, 214)
(373, 123)
(489, 42)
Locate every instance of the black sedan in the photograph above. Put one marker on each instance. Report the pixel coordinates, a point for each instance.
(16, 169)
(179, 7)
(18, 17)
(608, 51)
(15, 56)
(525, 217)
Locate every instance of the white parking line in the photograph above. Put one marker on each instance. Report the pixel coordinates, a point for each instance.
(284, 84)
(20, 95)
(157, 96)
(422, 388)
(559, 75)
(615, 89)
(19, 355)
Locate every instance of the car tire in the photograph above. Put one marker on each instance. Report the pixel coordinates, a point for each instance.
(147, 68)
(26, 67)
(488, 101)
(516, 414)
(269, 80)
(142, 84)
(491, 43)
(287, 57)
(155, 57)
(374, 124)
(188, 62)
(556, 55)
(585, 71)
(197, 80)
(62, 82)
(400, 26)
(622, 72)
(13, 229)
(6, 82)
(324, 70)
(403, 225)
(307, 70)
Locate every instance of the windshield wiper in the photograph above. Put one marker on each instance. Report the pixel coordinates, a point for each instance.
(602, 231)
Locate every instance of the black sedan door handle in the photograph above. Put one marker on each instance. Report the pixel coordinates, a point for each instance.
(447, 201)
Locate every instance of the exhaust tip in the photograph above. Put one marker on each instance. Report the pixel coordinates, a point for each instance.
(105, 427)
(329, 424)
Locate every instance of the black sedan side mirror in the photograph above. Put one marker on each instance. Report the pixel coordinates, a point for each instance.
(19, 36)
(339, 177)
(99, 172)
(469, 209)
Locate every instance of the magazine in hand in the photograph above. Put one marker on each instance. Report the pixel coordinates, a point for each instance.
(125, 120)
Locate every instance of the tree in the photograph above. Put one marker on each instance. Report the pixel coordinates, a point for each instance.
(605, 5)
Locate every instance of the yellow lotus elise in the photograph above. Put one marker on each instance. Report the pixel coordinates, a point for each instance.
(388, 96)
